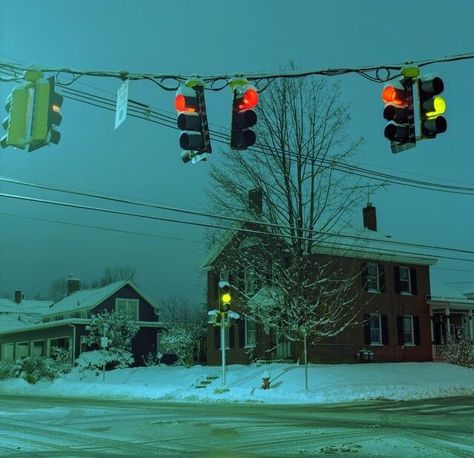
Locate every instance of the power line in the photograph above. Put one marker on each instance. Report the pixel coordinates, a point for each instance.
(214, 226)
(145, 112)
(107, 197)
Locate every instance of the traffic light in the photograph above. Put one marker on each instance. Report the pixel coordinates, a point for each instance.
(194, 139)
(399, 112)
(46, 114)
(19, 105)
(432, 106)
(225, 297)
(243, 115)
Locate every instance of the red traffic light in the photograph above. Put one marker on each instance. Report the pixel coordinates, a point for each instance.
(180, 104)
(391, 94)
(249, 99)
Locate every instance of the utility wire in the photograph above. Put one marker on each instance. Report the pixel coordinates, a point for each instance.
(214, 226)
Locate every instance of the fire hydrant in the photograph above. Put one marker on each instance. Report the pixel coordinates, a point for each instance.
(266, 380)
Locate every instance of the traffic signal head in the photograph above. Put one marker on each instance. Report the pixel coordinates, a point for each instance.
(243, 116)
(225, 296)
(17, 124)
(46, 114)
(399, 112)
(192, 121)
(432, 106)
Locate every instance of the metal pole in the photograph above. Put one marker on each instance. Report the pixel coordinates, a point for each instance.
(305, 362)
(224, 383)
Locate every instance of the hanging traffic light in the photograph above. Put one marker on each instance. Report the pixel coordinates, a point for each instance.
(194, 139)
(399, 112)
(19, 105)
(46, 114)
(225, 297)
(243, 116)
(432, 106)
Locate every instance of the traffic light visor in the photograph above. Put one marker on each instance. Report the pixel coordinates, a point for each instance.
(249, 99)
(391, 94)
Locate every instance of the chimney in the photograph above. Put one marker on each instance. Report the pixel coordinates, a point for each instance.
(370, 217)
(255, 200)
(18, 296)
(73, 284)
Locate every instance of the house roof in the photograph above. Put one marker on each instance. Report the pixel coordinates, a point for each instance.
(25, 306)
(361, 244)
(442, 294)
(12, 322)
(89, 298)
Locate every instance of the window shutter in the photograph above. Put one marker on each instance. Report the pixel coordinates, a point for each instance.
(401, 336)
(217, 337)
(363, 276)
(241, 322)
(416, 329)
(231, 336)
(367, 340)
(381, 278)
(414, 289)
(214, 283)
(396, 278)
(384, 320)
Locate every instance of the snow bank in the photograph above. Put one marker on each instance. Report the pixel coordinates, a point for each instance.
(327, 383)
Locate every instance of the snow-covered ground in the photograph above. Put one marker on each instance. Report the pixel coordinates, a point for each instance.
(327, 383)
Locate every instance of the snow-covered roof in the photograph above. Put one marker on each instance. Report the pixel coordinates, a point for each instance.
(89, 298)
(25, 306)
(373, 245)
(12, 322)
(360, 244)
(440, 293)
(226, 237)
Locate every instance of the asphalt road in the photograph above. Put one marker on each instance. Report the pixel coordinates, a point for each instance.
(53, 427)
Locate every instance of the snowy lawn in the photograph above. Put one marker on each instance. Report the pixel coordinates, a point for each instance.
(327, 383)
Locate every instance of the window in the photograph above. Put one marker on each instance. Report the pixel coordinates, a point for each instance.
(250, 333)
(405, 281)
(8, 352)
(37, 348)
(84, 314)
(372, 277)
(407, 325)
(127, 307)
(60, 342)
(250, 280)
(375, 326)
(21, 350)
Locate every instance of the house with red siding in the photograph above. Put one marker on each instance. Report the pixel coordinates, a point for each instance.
(392, 321)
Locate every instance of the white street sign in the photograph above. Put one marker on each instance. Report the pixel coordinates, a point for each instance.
(122, 102)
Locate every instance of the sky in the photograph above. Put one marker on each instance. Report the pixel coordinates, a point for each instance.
(140, 160)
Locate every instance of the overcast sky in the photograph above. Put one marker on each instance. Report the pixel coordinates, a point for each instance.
(141, 160)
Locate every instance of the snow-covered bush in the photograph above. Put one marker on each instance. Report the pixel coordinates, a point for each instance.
(181, 341)
(458, 349)
(152, 359)
(62, 359)
(7, 370)
(113, 359)
(117, 327)
(34, 368)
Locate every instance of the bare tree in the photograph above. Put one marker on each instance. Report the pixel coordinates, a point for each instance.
(58, 289)
(113, 274)
(301, 135)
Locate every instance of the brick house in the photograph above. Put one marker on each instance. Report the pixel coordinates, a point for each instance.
(63, 324)
(393, 314)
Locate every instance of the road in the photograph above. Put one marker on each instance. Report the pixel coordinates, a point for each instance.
(53, 427)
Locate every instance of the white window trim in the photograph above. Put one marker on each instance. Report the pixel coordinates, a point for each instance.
(247, 345)
(409, 292)
(377, 278)
(376, 344)
(17, 344)
(137, 301)
(38, 340)
(412, 343)
(48, 343)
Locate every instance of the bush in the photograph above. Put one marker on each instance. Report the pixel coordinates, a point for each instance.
(458, 349)
(113, 359)
(7, 369)
(34, 368)
(62, 360)
(180, 340)
(152, 359)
